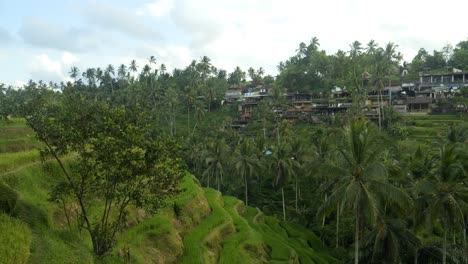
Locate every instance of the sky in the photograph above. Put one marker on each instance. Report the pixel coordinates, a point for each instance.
(42, 40)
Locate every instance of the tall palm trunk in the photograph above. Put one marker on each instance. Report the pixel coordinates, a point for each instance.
(246, 191)
(284, 206)
(444, 256)
(323, 218)
(297, 185)
(356, 240)
(416, 256)
(337, 224)
(188, 119)
(464, 245)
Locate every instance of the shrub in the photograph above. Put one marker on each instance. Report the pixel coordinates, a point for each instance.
(8, 199)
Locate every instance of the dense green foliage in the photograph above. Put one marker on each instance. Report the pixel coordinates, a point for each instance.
(116, 145)
(8, 199)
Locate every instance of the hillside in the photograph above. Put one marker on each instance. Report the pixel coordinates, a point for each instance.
(198, 225)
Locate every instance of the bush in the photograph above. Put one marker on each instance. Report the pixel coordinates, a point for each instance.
(8, 198)
(15, 240)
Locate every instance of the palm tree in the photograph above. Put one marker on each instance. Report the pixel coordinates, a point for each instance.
(282, 166)
(199, 115)
(245, 162)
(152, 60)
(388, 238)
(314, 43)
(204, 67)
(162, 68)
(210, 94)
(74, 72)
(133, 66)
(445, 193)
(122, 71)
(109, 73)
(216, 160)
(299, 154)
(363, 185)
(189, 99)
(90, 74)
(371, 47)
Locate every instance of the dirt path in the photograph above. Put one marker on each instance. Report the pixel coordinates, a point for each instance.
(22, 167)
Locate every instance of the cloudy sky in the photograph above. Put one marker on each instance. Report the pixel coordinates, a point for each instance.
(41, 40)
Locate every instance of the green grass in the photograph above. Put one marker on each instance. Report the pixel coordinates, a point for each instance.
(203, 243)
(15, 240)
(14, 161)
(429, 128)
(246, 245)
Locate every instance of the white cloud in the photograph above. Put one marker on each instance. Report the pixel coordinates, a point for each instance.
(245, 33)
(160, 8)
(47, 69)
(19, 83)
(68, 58)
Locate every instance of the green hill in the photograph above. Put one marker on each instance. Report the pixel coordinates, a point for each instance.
(198, 225)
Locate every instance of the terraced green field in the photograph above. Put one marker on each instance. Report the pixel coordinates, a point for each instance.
(427, 128)
(199, 225)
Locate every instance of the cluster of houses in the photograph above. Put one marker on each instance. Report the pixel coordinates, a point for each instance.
(419, 96)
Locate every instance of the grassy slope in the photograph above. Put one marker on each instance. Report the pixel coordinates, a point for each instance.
(427, 128)
(198, 225)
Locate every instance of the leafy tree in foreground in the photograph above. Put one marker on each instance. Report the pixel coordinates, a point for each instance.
(117, 164)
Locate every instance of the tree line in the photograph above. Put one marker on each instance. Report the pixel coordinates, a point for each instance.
(365, 190)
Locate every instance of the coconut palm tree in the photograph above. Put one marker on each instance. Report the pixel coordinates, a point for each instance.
(152, 60)
(122, 71)
(300, 155)
(445, 193)
(282, 166)
(388, 238)
(245, 163)
(133, 67)
(74, 73)
(199, 114)
(216, 160)
(363, 186)
(189, 95)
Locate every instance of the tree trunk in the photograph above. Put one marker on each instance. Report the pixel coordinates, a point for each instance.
(454, 240)
(65, 211)
(246, 191)
(356, 241)
(296, 193)
(188, 119)
(444, 256)
(337, 224)
(323, 219)
(464, 244)
(284, 206)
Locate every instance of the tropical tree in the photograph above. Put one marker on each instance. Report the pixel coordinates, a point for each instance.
(363, 186)
(282, 167)
(445, 193)
(133, 66)
(74, 73)
(245, 162)
(217, 160)
(118, 163)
